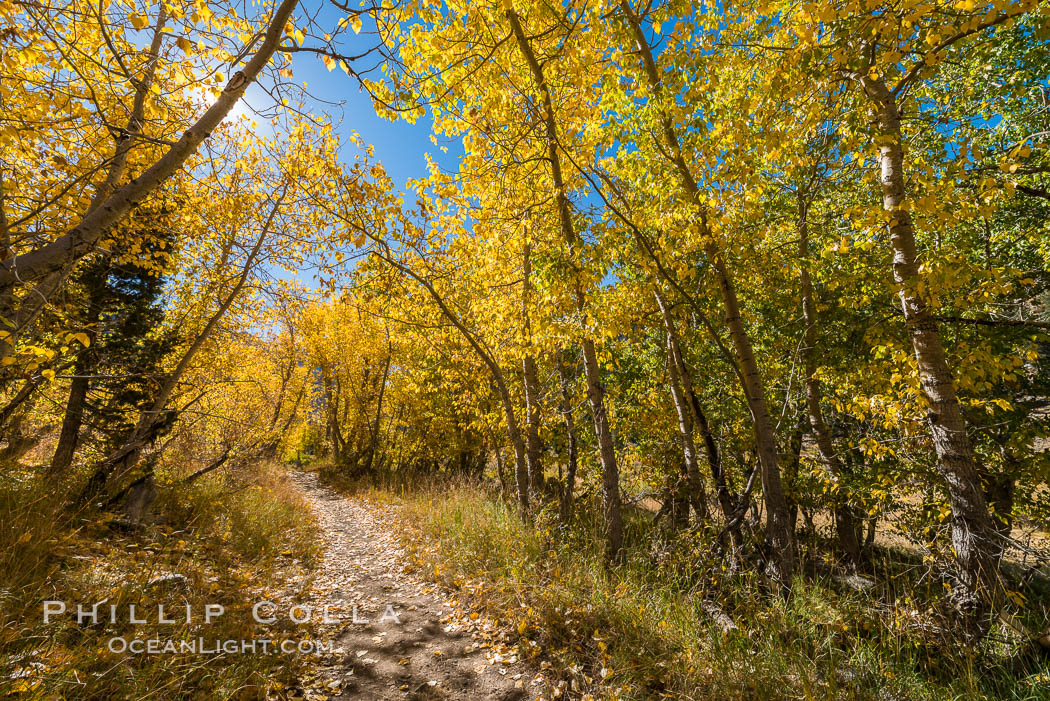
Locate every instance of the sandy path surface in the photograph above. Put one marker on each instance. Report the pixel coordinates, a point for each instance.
(419, 642)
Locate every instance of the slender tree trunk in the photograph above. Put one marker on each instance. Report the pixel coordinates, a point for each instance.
(727, 499)
(794, 459)
(118, 162)
(331, 403)
(295, 409)
(845, 515)
(610, 471)
(212, 466)
(500, 472)
(611, 507)
(269, 449)
(999, 490)
(975, 539)
(374, 444)
(18, 443)
(28, 388)
(693, 482)
(95, 284)
(680, 495)
(23, 312)
(779, 537)
(69, 436)
(531, 379)
(338, 442)
(691, 414)
(569, 486)
(534, 448)
(277, 435)
(869, 535)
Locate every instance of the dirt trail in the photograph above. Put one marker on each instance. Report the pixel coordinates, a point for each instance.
(432, 650)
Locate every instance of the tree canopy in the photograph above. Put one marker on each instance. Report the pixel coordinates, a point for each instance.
(742, 261)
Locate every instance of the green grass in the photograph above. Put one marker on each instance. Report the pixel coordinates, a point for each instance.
(641, 630)
(226, 535)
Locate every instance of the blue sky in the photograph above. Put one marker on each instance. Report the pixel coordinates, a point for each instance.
(401, 147)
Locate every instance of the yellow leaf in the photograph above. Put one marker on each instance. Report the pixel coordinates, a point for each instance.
(139, 21)
(355, 24)
(25, 685)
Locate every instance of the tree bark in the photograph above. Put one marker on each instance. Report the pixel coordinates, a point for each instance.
(373, 445)
(118, 162)
(999, 488)
(500, 472)
(611, 508)
(214, 465)
(69, 436)
(332, 408)
(779, 536)
(18, 443)
(287, 373)
(975, 540)
(794, 459)
(28, 388)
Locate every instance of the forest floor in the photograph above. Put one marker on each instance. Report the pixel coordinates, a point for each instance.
(436, 648)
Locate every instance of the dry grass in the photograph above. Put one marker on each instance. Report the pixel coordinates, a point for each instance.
(224, 534)
(641, 630)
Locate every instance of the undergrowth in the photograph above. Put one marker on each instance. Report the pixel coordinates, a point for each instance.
(644, 629)
(219, 541)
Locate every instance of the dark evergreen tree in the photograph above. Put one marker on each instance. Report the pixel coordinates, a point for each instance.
(121, 310)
